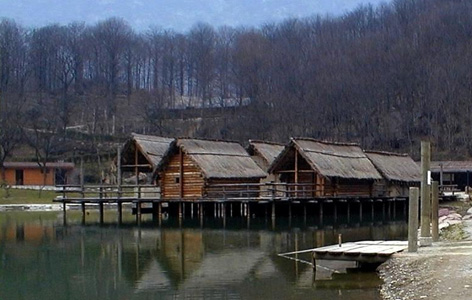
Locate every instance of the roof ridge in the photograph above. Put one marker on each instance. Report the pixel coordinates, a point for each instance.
(209, 140)
(266, 142)
(386, 153)
(323, 141)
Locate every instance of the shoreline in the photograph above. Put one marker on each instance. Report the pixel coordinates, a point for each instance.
(441, 271)
(44, 207)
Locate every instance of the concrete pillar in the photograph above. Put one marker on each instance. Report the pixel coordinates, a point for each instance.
(413, 220)
(435, 210)
(425, 195)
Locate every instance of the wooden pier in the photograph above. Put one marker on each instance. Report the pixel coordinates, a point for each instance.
(362, 252)
(233, 200)
(369, 252)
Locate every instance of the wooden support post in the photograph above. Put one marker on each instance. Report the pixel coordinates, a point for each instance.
(64, 214)
(360, 211)
(304, 213)
(248, 211)
(273, 209)
(413, 220)
(180, 204)
(321, 212)
(120, 212)
(138, 212)
(313, 262)
(348, 212)
(394, 208)
(224, 214)
(82, 204)
(435, 210)
(373, 210)
(159, 213)
(383, 209)
(425, 199)
(335, 212)
(100, 204)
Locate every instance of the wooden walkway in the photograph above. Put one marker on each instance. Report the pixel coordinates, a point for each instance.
(363, 252)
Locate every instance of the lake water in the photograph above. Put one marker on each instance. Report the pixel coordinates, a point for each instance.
(43, 258)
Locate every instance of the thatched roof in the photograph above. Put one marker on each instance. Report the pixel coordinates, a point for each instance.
(152, 147)
(221, 159)
(266, 150)
(451, 166)
(329, 159)
(395, 166)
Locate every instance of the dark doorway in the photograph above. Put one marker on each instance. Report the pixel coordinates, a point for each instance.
(60, 176)
(19, 177)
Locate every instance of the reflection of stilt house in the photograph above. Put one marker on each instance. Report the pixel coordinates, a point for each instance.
(400, 172)
(194, 169)
(313, 168)
(264, 154)
(141, 154)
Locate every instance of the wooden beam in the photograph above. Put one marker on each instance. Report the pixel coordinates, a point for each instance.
(181, 174)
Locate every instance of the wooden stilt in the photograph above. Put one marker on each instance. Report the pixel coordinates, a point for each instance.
(138, 213)
(360, 211)
(304, 213)
(180, 209)
(394, 208)
(120, 213)
(335, 212)
(101, 212)
(383, 209)
(83, 210)
(373, 210)
(348, 212)
(321, 213)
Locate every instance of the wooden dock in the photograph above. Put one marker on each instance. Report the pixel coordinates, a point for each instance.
(370, 252)
(362, 252)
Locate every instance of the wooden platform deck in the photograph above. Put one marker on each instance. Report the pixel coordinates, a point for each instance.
(362, 252)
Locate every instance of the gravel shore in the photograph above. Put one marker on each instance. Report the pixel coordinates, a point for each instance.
(442, 271)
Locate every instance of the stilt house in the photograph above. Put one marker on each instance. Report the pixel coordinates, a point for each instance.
(141, 154)
(399, 171)
(196, 169)
(264, 153)
(313, 168)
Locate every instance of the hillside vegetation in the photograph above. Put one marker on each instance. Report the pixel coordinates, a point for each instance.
(384, 77)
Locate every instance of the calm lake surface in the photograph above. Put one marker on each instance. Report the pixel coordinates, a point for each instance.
(43, 258)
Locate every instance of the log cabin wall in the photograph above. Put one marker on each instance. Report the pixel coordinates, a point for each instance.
(189, 186)
(213, 188)
(353, 187)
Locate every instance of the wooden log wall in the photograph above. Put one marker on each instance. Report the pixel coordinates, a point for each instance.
(190, 186)
(213, 190)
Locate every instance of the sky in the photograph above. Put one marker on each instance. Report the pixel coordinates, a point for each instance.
(179, 15)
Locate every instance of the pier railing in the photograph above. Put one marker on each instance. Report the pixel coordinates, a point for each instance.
(106, 193)
(235, 191)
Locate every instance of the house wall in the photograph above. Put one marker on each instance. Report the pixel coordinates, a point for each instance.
(30, 177)
(212, 189)
(192, 179)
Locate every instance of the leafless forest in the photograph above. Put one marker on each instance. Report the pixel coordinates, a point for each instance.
(384, 77)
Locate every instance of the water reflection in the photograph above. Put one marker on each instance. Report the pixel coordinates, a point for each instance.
(43, 259)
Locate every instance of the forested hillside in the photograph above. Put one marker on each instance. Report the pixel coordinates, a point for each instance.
(383, 77)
